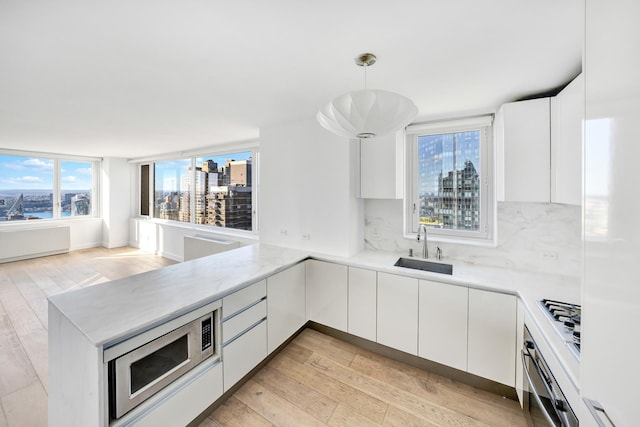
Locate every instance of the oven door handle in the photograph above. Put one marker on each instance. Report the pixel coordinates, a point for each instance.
(533, 387)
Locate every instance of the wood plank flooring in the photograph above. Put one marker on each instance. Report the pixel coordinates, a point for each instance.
(24, 288)
(318, 380)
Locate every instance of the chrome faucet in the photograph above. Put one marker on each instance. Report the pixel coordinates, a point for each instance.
(425, 249)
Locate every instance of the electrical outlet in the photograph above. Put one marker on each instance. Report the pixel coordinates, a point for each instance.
(283, 232)
(550, 255)
(306, 236)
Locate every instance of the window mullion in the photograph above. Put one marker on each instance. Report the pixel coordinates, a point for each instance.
(57, 202)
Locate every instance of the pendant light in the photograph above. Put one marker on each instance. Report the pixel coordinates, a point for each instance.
(367, 113)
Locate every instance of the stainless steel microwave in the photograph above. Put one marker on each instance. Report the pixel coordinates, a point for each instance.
(140, 373)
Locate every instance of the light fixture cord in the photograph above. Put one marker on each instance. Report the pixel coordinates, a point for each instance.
(365, 75)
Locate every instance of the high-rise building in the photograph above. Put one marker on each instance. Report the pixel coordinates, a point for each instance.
(459, 198)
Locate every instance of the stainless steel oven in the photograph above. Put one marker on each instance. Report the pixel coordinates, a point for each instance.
(544, 400)
(140, 373)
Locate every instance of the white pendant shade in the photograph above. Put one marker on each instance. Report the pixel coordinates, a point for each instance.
(367, 113)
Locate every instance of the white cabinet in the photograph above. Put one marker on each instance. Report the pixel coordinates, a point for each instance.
(492, 336)
(285, 305)
(243, 354)
(567, 116)
(244, 332)
(397, 324)
(381, 167)
(610, 294)
(443, 323)
(326, 298)
(523, 143)
(187, 402)
(362, 303)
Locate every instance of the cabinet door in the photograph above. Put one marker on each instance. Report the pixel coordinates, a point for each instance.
(397, 325)
(327, 294)
(242, 354)
(183, 406)
(381, 167)
(492, 336)
(285, 305)
(362, 303)
(443, 323)
(523, 151)
(566, 144)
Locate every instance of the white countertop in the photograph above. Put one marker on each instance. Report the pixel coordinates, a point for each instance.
(110, 312)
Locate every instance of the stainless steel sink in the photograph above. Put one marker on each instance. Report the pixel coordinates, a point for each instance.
(424, 265)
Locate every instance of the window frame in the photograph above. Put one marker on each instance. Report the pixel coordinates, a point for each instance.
(485, 235)
(192, 156)
(58, 159)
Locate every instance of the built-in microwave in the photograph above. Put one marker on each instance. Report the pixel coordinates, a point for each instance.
(140, 373)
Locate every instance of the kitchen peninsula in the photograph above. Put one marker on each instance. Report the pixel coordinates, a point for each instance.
(86, 324)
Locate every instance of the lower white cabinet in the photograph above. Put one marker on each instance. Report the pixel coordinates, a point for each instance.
(492, 336)
(397, 323)
(362, 303)
(187, 402)
(242, 354)
(244, 332)
(443, 323)
(285, 305)
(326, 298)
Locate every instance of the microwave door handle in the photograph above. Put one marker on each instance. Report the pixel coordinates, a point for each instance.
(533, 387)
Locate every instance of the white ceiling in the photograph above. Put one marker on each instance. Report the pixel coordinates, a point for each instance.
(132, 78)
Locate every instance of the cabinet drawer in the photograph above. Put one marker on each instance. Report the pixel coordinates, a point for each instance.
(186, 403)
(243, 298)
(243, 321)
(242, 355)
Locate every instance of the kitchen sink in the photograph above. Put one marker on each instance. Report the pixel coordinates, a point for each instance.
(424, 265)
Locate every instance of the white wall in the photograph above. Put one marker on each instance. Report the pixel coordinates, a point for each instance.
(529, 235)
(116, 202)
(308, 180)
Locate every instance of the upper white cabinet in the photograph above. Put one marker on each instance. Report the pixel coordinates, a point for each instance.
(327, 294)
(362, 303)
(523, 145)
(567, 116)
(492, 336)
(443, 323)
(539, 148)
(285, 305)
(381, 167)
(397, 323)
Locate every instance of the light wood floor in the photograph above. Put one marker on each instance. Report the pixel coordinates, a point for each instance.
(24, 288)
(318, 380)
(315, 380)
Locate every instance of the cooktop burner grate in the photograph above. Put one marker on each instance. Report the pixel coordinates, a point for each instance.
(566, 320)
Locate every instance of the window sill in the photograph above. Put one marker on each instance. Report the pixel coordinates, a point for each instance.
(487, 243)
(244, 234)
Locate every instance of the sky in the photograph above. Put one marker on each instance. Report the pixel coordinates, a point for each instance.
(33, 173)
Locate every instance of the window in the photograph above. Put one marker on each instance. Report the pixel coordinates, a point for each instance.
(76, 182)
(448, 176)
(38, 188)
(214, 190)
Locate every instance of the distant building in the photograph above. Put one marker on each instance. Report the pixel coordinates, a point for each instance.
(457, 204)
(16, 211)
(80, 205)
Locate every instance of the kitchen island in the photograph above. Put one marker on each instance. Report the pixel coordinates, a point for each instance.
(86, 323)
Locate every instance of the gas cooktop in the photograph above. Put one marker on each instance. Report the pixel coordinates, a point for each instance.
(566, 321)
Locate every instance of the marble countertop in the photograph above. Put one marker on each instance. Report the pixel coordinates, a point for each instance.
(111, 312)
(108, 313)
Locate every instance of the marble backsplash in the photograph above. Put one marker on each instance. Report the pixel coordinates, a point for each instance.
(531, 236)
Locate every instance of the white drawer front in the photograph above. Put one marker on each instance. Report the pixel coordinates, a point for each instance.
(241, 322)
(243, 298)
(243, 354)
